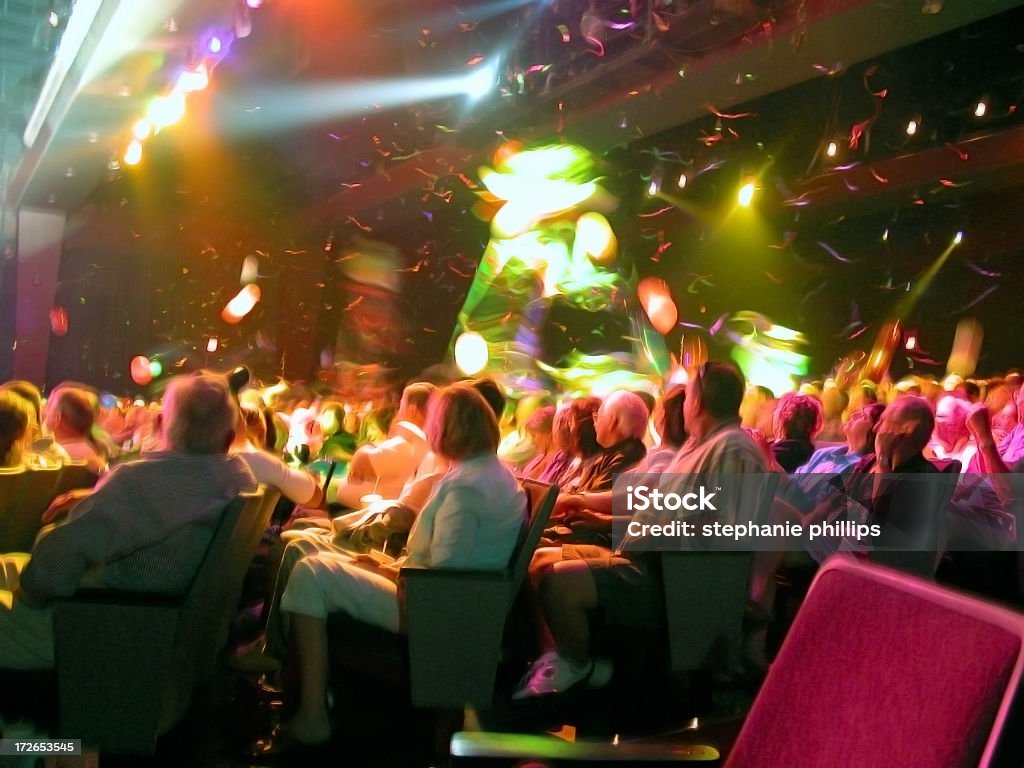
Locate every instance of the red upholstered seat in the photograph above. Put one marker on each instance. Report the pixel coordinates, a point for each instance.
(881, 669)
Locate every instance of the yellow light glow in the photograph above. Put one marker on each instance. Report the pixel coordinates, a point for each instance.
(133, 155)
(832, 150)
(746, 194)
(142, 129)
(471, 353)
(166, 110)
(682, 181)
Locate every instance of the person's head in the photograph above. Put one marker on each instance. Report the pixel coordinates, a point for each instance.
(969, 391)
(713, 396)
(797, 417)
(834, 402)
(860, 428)
(583, 436)
(951, 420)
(461, 424)
(415, 403)
(15, 417)
(911, 418)
(30, 393)
(648, 399)
(668, 418)
(539, 427)
(491, 391)
(561, 428)
(199, 414)
(621, 416)
(331, 418)
(69, 413)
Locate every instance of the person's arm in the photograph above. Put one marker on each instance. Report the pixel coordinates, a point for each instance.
(360, 469)
(64, 552)
(979, 424)
(294, 484)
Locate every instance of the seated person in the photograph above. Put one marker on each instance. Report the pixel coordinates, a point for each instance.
(592, 510)
(69, 417)
(561, 445)
(626, 585)
(813, 482)
(145, 527)
(473, 520)
(295, 485)
(951, 440)
(540, 426)
(583, 443)
(796, 423)
(376, 527)
(15, 416)
(382, 469)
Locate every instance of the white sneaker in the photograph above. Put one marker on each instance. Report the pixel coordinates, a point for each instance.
(552, 674)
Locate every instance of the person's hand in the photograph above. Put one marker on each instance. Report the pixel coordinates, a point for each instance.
(979, 423)
(565, 505)
(64, 504)
(589, 520)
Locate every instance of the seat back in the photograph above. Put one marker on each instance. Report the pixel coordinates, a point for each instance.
(74, 475)
(925, 507)
(127, 663)
(28, 493)
(226, 592)
(705, 593)
(456, 618)
(882, 668)
(540, 501)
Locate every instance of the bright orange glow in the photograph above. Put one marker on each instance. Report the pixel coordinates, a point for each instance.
(133, 155)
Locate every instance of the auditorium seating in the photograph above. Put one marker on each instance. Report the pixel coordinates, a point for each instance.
(455, 619)
(127, 663)
(26, 493)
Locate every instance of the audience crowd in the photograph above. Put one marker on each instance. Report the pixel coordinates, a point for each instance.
(429, 480)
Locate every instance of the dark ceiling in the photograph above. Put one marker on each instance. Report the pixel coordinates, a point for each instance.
(708, 87)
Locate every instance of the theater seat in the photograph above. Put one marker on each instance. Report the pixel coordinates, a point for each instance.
(455, 620)
(127, 663)
(26, 493)
(882, 668)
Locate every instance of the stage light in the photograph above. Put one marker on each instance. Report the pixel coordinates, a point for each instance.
(980, 109)
(142, 129)
(166, 110)
(215, 44)
(212, 344)
(191, 80)
(156, 368)
(832, 150)
(133, 155)
(682, 181)
(54, 19)
(911, 343)
(746, 195)
(254, 3)
(653, 188)
(885, 235)
(912, 127)
(480, 81)
(958, 237)
(471, 353)
(242, 304)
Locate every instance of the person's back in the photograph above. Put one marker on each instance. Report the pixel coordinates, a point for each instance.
(144, 528)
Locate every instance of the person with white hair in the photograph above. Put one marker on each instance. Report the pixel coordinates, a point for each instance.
(145, 527)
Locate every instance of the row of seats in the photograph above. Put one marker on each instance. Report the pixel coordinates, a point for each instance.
(26, 493)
